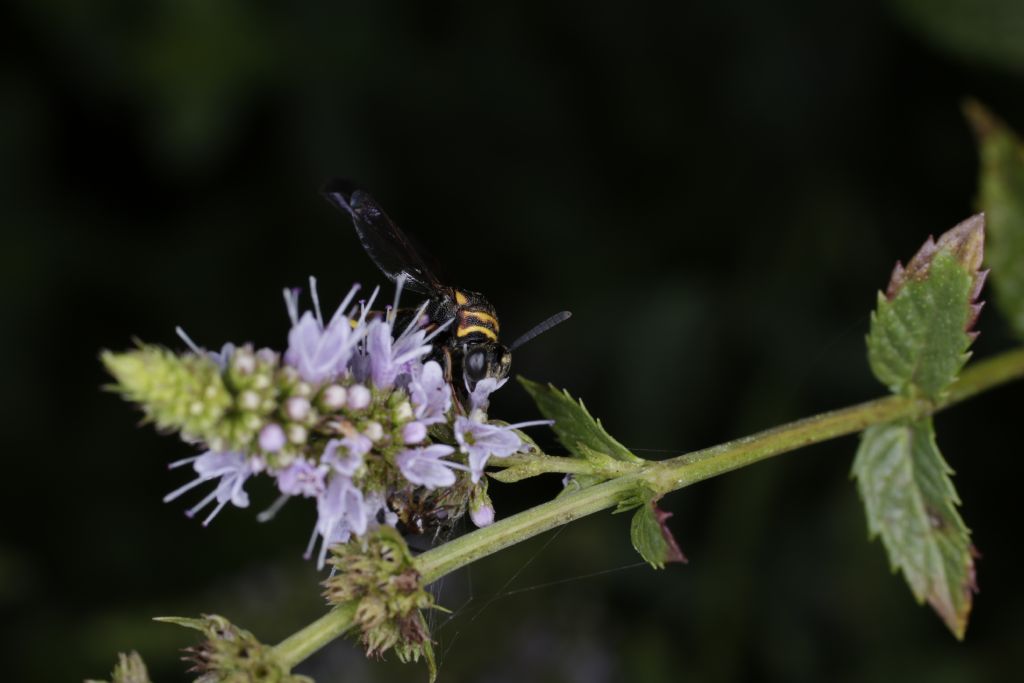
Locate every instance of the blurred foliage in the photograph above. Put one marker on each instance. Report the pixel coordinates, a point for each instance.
(1001, 196)
(982, 31)
(714, 189)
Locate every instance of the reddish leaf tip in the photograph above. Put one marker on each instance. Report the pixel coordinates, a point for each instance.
(674, 553)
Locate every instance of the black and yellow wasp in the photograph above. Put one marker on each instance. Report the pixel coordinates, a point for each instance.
(469, 350)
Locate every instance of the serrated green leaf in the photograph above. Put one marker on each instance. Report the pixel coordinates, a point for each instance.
(1001, 196)
(578, 431)
(918, 340)
(911, 503)
(651, 536)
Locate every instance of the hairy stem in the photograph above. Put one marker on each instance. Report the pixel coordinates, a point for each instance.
(661, 476)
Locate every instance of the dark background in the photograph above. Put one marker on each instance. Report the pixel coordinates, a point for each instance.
(716, 190)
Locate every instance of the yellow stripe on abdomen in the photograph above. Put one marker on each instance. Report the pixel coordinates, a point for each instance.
(465, 330)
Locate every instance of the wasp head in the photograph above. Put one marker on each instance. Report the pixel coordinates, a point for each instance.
(483, 360)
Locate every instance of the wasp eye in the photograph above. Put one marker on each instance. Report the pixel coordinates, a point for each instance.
(476, 365)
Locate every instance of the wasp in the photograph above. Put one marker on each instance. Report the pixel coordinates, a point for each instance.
(469, 349)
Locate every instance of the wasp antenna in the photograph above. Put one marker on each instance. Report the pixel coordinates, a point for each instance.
(541, 328)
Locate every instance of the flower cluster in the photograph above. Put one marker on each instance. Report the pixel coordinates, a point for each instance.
(229, 653)
(377, 574)
(345, 416)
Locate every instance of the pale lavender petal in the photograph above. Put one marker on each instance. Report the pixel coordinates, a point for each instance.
(320, 354)
(481, 441)
(301, 478)
(479, 397)
(430, 394)
(345, 455)
(414, 432)
(425, 467)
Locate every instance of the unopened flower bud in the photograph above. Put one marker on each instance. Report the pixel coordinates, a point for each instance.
(297, 434)
(358, 397)
(272, 438)
(243, 362)
(374, 431)
(249, 400)
(481, 510)
(403, 412)
(297, 408)
(334, 397)
(414, 432)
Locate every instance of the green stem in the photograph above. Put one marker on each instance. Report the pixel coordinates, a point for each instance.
(518, 467)
(662, 477)
(303, 643)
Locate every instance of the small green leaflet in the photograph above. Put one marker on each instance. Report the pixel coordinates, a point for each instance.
(651, 536)
(1001, 196)
(920, 329)
(911, 503)
(578, 431)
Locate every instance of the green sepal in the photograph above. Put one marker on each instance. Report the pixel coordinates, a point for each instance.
(649, 531)
(1001, 197)
(920, 330)
(579, 432)
(911, 504)
(129, 669)
(184, 622)
(230, 653)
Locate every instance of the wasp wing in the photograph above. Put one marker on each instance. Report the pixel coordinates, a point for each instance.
(386, 244)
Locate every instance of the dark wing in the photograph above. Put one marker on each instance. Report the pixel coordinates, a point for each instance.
(386, 244)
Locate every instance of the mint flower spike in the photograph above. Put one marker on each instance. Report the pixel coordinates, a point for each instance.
(229, 653)
(341, 417)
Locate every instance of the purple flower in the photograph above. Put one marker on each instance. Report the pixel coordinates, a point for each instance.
(231, 468)
(321, 352)
(221, 357)
(430, 394)
(480, 396)
(425, 467)
(481, 441)
(302, 478)
(340, 513)
(390, 358)
(345, 455)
